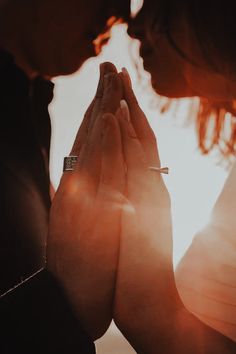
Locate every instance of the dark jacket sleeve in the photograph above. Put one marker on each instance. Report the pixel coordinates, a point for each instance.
(35, 318)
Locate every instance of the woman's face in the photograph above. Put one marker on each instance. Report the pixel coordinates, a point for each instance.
(57, 35)
(173, 75)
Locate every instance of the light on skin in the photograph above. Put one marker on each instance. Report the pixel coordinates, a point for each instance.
(183, 150)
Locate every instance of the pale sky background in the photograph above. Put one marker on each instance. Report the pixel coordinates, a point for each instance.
(194, 181)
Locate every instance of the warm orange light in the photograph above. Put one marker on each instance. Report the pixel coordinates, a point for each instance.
(104, 37)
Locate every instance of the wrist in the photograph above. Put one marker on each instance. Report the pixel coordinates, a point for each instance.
(150, 323)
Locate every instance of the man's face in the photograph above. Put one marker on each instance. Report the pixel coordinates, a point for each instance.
(175, 75)
(62, 32)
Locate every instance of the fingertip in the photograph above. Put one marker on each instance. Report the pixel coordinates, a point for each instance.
(123, 116)
(126, 76)
(113, 84)
(113, 93)
(128, 90)
(125, 110)
(108, 67)
(105, 69)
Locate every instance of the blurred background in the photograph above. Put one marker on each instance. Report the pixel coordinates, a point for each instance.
(194, 181)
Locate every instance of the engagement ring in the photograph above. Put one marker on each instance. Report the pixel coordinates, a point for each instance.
(164, 170)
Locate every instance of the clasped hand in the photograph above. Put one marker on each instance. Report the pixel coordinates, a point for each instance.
(110, 241)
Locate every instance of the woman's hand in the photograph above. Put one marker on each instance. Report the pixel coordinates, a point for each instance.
(85, 216)
(145, 288)
(147, 307)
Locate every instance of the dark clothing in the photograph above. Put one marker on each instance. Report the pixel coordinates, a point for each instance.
(35, 317)
(24, 147)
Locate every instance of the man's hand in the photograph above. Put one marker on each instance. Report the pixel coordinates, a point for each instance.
(85, 216)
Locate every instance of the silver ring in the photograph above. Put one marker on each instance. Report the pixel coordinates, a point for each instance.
(69, 163)
(164, 170)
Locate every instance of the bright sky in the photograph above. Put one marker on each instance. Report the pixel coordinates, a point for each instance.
(194, 181)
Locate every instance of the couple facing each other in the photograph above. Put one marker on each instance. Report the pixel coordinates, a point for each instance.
(109, 243)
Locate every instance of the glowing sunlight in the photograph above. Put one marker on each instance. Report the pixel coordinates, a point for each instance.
(194, 181)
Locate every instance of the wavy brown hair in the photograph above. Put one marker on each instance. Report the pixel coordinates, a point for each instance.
(214, 26)
(216, 127)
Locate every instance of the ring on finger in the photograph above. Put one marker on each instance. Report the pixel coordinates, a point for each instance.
(69, 163)
(164, 170)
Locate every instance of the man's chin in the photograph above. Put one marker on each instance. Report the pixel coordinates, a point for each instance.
(61, 71)
(55, 70)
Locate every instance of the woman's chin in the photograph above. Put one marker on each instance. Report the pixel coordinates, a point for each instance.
(171, 91)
